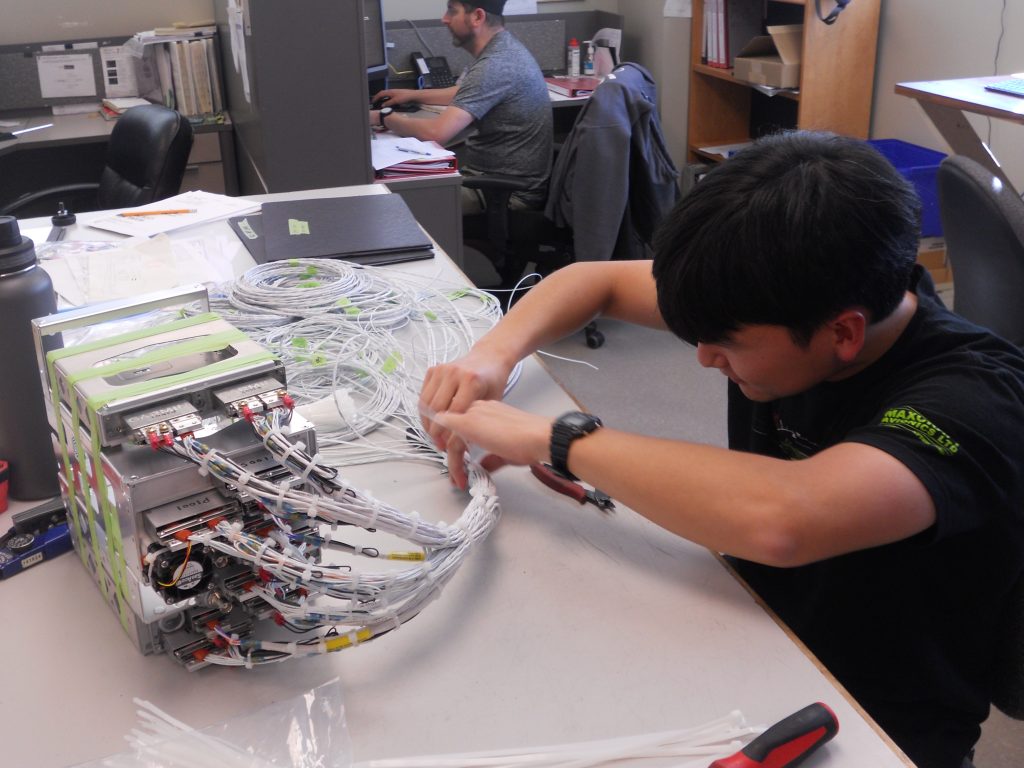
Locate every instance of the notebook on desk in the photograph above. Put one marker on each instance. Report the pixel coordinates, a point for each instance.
(371, 229)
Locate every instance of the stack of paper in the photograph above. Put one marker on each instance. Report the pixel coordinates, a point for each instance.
(174, 213)
(111, 109)
(395, 156)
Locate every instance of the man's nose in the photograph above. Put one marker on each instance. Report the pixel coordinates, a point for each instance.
(710, 356)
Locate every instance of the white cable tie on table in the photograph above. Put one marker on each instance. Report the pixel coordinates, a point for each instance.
(248, 659)
(354, 586)
(307, 574)
(243, 479)
(289, 449)
(353, 637)
(313, 509)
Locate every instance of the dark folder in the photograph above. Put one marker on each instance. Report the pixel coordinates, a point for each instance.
(370, 229)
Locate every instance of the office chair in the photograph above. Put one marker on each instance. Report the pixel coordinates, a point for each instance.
(145, 162)
(611, 184)
(983, 224)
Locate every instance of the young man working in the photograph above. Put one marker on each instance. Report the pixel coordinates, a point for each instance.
(502, 94)
(873, 494)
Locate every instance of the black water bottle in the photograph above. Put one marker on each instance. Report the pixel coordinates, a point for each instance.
(25, 293)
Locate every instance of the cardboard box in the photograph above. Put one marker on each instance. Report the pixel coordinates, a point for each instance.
(772, 59)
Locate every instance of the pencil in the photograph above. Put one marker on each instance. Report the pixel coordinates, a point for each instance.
(157, 213)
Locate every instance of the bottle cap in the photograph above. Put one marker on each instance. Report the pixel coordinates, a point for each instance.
(16, 251)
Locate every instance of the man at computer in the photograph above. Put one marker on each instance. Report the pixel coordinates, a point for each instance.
(502, 95)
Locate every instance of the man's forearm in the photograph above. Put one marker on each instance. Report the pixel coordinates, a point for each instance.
(567, 300)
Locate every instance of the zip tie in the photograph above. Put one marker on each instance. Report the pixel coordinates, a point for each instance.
(353, 638)
(282, 489)
(395, 621)
(243, 479)
(414, 519)
(204, 462)
(290, 448)
(262, 549)
(313, 507)
(354, 586)
(375, 507)
(248, 659)
(272, 433)
(309, 467)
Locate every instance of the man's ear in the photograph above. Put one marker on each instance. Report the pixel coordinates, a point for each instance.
(848, 333)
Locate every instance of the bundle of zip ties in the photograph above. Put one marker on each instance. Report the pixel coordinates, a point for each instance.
(162, 740)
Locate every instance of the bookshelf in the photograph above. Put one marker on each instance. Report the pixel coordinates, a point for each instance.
(836, 79)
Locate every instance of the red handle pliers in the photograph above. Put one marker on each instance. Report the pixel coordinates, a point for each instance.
(556, 482)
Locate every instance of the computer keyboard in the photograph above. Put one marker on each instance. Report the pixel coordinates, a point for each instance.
(1013, 86)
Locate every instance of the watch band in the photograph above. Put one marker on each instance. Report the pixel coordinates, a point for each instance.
(380, 118)
(566, 429)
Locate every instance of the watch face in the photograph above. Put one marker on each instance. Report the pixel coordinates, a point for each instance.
(580, 421)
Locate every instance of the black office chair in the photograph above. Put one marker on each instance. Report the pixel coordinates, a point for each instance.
(611, 184)
(983, 224)
(145, 162)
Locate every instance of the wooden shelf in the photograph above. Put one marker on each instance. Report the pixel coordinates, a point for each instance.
(836, 82)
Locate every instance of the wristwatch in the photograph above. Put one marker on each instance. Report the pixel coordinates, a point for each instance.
(567, 428)
(384, 112)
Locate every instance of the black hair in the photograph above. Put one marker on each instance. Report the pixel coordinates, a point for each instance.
(791, 231)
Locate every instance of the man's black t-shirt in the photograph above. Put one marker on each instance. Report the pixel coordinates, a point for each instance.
(908, 628)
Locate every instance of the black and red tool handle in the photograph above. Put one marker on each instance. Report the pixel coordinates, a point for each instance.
(787, 743)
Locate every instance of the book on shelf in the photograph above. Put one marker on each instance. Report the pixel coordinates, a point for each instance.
(573, 87)
(728, 26)
(187, 67)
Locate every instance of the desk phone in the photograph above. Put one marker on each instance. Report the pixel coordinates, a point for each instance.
(433, 71)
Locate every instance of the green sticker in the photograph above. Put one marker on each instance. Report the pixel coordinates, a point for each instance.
(430, 315)
(393, 361)
(309, 284)
(310, 270)
(457, 294)
(318, 360)
(352, 311)
(300, 342)
(343, 301)
(298, 227)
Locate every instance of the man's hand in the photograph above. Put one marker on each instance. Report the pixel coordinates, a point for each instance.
(505, 434)
(454, 387)
(392, 97)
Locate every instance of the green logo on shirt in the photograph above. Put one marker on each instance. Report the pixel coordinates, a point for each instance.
(910, 420)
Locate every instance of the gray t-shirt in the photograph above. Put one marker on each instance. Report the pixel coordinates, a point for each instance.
(505, 92)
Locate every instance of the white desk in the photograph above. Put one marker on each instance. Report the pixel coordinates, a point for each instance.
(565, 625)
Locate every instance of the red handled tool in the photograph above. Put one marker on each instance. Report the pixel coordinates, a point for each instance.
(556, 482)
(787, 743)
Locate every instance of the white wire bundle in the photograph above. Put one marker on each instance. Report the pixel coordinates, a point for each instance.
(375, 602)
(359, 339)
(717, 738)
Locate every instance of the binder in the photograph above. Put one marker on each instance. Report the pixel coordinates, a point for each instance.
(370, 229)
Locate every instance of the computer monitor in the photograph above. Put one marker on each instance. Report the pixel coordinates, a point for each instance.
(376, 45)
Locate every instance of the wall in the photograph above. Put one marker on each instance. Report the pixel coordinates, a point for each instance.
(45, 20)
(936, 40)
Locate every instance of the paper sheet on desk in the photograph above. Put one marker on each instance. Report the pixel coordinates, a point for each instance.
(89, 272)
(386, 150)
(206, 206)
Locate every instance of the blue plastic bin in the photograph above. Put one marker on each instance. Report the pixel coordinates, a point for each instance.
(919, 166)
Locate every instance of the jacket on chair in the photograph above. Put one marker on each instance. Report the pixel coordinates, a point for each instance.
(613, 180)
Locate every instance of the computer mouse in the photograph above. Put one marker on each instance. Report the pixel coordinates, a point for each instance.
(378, 102)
